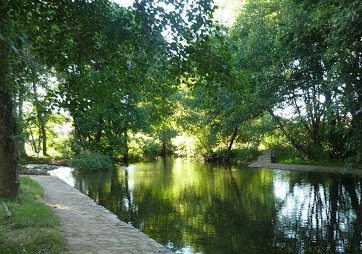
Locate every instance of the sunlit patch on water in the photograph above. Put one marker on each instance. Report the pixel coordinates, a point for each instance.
(64, 173)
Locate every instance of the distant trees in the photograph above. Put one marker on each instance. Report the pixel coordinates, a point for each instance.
(289, 58)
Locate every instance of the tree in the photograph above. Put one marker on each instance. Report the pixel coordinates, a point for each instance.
(9, 176)
(228, 70)
(316, 80)
(291, 55)
(134, 68)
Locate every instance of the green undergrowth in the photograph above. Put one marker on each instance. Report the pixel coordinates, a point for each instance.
(88, 161)
(44, 160)
(235, 155)
(293, 157)
(32, 226)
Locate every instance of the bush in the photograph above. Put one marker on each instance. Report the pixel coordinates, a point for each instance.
(89, 161)
(143, 147)
(289, 155)
(246, 154)
(151, 149)
(282, 154)
(235, 155)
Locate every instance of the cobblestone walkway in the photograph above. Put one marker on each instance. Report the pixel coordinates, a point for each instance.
(264, 161)
(90, 228)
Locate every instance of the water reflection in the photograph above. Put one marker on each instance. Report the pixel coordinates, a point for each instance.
(194, 207)
(321, 214)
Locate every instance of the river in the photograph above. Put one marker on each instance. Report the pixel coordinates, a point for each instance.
(196, 207)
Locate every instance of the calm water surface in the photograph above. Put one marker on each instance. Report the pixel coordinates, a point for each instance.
(195, 207)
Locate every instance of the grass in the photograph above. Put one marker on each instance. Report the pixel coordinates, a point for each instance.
(300, 161)
(35, 160)
(293, 157)
(32, 226)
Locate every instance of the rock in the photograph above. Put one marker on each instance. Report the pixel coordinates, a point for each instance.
(36, 169)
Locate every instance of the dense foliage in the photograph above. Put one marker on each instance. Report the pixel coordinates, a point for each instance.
(90, 161)
(290, 59)
(163, 70)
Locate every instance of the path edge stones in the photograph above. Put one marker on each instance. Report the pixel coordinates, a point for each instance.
(89, 227)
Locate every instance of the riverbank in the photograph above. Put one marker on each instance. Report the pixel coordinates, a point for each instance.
(90, 228)
(264, 161)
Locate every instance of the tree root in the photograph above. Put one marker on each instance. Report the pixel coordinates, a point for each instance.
(8, 213)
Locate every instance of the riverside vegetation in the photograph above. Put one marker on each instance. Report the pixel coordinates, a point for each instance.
(94, 78)
(32, 226)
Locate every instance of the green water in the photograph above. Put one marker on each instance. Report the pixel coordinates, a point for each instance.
(195, 207)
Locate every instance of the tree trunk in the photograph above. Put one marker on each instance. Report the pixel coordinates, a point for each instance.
(21, 142)
(125, 154)
(9, 175)
(164, 148)
(331, 135)
(44, 139)
(233, 138)
(41, 115)
(289, 137)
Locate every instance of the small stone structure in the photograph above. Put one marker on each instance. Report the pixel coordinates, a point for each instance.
(264, 161)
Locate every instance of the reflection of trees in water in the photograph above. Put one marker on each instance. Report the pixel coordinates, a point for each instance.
(96, 186)
(108, 190)
(324, 215)
(242, 222)
(245, 221)
(233, 211)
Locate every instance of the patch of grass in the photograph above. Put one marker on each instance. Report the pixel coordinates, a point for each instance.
(32, 226)
(35, 160)
(293, 157)
(312, 162)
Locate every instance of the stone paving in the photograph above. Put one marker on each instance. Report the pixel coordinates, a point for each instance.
(90, 228)
(264, 161)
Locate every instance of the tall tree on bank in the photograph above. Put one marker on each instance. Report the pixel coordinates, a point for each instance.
(229, 69)
(18, 20)
(9, 38)
(9, 176)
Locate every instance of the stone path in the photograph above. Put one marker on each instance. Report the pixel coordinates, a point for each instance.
(264, 161)
(90, 228)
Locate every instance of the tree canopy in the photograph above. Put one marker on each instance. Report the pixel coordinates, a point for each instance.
(158, 70)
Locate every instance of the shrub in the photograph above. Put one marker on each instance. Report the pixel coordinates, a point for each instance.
(151, 149)
(89, 161)
(246, 154)
(143, 147)
(235, 155)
